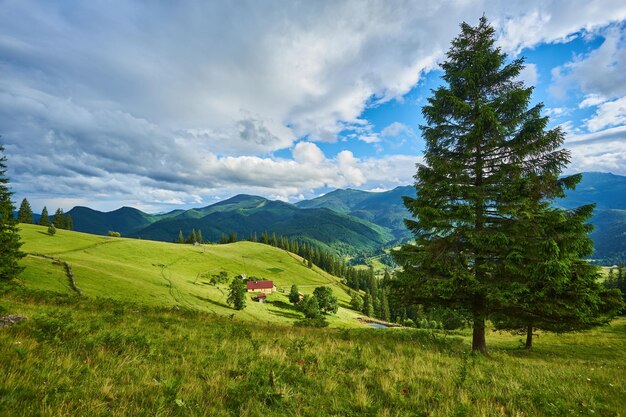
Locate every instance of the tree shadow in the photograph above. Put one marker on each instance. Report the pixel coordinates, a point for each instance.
(285, 314)
(208, 300)
(284, 309)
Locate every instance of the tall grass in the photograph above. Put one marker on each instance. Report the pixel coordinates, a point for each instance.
(76, 356)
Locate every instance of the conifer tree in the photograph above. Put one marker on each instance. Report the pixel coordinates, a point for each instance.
(556, 290)
(10, 243)
(368, 308)
(294, 294)
(356, 302)
(384, 307)
(489, 160)
(25, 213)
(44, 220)
(69, 223)
(237, 294)
(59, 219)
(52, 230)
(199, 237)
(180, 239)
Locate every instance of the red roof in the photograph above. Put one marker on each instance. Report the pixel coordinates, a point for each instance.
(259, 285)
(260, 295)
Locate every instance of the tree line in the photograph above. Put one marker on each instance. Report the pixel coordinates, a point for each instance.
(60, 220)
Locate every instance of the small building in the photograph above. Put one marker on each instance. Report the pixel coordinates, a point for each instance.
(265, 287)
(260, 297)
(242, 276)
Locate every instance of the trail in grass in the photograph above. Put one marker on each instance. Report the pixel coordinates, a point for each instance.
(94, 245)
(66, 266)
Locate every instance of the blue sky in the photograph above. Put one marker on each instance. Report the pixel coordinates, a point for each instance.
(175, 105)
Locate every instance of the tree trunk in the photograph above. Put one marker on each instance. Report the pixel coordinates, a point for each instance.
(479, 344)
(529, 336)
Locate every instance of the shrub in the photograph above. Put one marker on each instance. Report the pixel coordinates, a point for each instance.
(111, 233)
(52, 230)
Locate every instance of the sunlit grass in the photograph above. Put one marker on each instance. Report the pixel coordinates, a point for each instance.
(166, 274)
(74, 356)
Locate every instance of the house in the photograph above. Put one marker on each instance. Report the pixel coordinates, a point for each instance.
(260, 297)
(266, 287)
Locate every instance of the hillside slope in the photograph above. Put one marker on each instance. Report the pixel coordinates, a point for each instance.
(166, 274)
(385, 209)
(248, 215)
(124, 220)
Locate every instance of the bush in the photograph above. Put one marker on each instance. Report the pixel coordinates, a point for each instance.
(111, 233)
(52, 230)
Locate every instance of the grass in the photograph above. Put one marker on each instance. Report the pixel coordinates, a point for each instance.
(77, 356)
(148, 339)
(166, 274)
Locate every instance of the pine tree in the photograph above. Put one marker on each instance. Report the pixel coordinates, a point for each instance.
(384, 307)
(556, 290)
(52, 230)
(25, 213)
(356, 302)
(489, 160)
(44, 220)
(368, 308)
(59, 219)
(294, 294)
(69, 223)
(237, 294)
(181, 238)
(10, 243)
(199, 237)
(192, 238)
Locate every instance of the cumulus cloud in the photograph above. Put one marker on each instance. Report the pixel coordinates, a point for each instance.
(167, 103)
(600, 73)
(599, 151)
(608, 114)
(591, 100)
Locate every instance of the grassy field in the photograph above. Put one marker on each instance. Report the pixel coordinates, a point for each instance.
(148, 339)
(78, 356)
(165, 274)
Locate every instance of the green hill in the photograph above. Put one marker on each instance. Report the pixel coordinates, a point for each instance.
(124, 220)
(385, 209)
(165, 274)
(343, 221)
(248, 215)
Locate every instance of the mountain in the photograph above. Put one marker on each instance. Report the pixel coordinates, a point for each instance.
(344, 221)
(385, 209)
(247, 215)
(607, 191)
(124, 220)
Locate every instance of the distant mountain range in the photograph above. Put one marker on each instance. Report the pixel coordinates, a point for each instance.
(343, 221)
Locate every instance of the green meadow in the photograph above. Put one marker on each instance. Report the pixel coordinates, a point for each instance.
(149, 339)
(165, 274)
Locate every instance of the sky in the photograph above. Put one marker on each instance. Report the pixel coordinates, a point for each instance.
(166, 105)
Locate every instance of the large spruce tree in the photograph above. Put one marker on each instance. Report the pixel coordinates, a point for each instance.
(25, 213)
(489, 160)
(555, 289)
(9, 238)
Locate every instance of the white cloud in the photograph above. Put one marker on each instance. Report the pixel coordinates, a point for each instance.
(599, 151)
(592, 100)
(164, 103)
(608, 114)
(600, 73)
